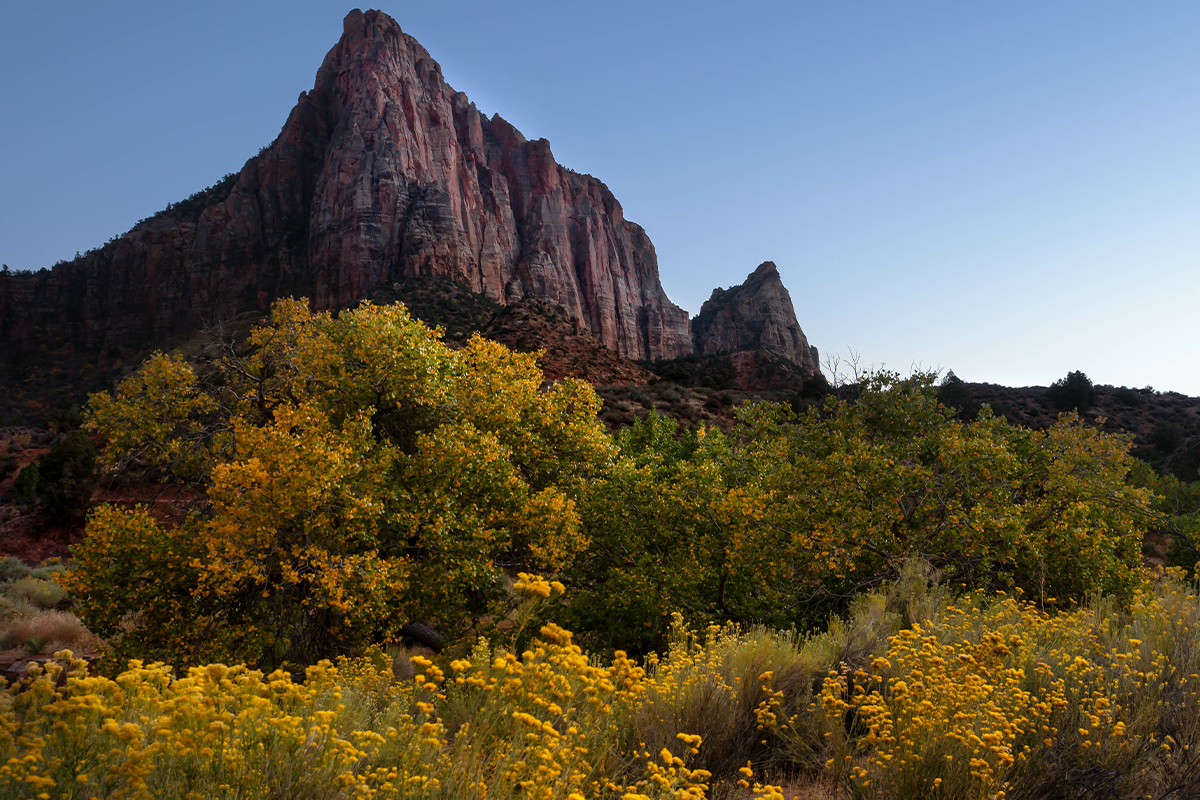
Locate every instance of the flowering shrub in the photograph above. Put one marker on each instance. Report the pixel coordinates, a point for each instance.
(985, 697)
(996, 698)
(545, 724)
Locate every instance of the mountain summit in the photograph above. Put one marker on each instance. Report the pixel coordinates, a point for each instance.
(755, 315)
(382, 172)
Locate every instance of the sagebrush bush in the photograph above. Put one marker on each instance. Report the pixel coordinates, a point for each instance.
(12, 569)
(40, 592)
(47, 571)
(13, 609)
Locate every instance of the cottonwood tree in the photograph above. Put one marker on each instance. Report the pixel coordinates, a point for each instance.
(358, 474)
(790, 515)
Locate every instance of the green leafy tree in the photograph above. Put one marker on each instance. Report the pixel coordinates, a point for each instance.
(66, 477)
(792, 513)
(25, 485)
(1177, 519)
(953, 393)
(1072, 393)
(652, 535)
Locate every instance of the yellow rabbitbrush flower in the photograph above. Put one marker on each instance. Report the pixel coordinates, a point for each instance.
(543, 725)
(215, 732)
(994, 691)
(534, 586)
(985, 698)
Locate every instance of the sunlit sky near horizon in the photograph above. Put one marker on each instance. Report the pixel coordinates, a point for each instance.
(1008, 190)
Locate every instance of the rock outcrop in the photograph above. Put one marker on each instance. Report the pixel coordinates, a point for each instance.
(568, 350)
(756, 315)
(381, 172)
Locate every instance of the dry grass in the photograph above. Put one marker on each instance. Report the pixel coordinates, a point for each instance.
(54, 630)
(818, 788)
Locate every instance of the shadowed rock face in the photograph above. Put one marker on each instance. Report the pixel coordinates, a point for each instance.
(757, 315)
(381, 172)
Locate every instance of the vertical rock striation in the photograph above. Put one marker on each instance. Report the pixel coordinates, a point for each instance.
(382, 171)
(756, 315)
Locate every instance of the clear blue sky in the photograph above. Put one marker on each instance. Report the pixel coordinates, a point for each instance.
(1009, 190)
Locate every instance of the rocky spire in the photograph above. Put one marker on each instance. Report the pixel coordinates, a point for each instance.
(756, 315)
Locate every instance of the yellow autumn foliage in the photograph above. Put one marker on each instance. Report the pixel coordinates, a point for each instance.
(356, 474)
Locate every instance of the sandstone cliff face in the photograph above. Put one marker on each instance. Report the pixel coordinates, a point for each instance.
(381, 172)
(757, 315)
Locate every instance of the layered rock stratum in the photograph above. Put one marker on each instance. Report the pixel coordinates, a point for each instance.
(381, 172)
(754, 315)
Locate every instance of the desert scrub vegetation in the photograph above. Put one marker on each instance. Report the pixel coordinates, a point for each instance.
(545, 723)
(869, 593)
(35, 614)
(916, 692)
(994, 698)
